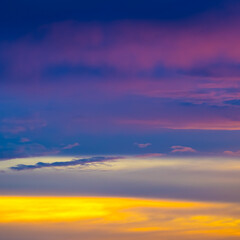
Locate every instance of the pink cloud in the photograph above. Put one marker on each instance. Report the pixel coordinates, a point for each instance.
(231, 153)
(143, 145)
(209, 123)
(182, 149)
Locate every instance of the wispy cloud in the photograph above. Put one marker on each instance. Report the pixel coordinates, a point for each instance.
(231, 153)
(182, 149)
(143, 145)
(70, 146)
(81, 162)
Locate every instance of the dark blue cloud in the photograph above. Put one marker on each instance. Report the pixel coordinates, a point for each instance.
(81, 162)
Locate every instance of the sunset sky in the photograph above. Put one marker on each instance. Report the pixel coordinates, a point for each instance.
(122, 117)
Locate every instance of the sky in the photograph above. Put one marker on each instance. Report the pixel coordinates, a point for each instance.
(120, 109)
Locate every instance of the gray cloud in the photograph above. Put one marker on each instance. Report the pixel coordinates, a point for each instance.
(82, 162)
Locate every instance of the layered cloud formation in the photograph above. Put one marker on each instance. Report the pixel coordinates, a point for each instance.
(69, 82)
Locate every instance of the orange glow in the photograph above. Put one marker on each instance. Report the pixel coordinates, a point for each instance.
(128, 216)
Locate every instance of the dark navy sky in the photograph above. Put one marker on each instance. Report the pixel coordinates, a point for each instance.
(20, 17)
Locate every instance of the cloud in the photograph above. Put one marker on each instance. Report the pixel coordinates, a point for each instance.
(182, 149)
(213, 120)
(143, 145)
(81, 162)
(70, 146)
(231, 153)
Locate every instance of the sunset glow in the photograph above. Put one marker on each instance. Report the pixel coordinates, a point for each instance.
(122, 216)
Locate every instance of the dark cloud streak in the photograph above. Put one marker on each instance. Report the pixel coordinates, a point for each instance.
(81, 162)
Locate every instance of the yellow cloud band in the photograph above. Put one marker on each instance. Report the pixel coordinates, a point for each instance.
(124, 215)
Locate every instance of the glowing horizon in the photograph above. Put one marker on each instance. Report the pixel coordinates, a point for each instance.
(119, 216)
